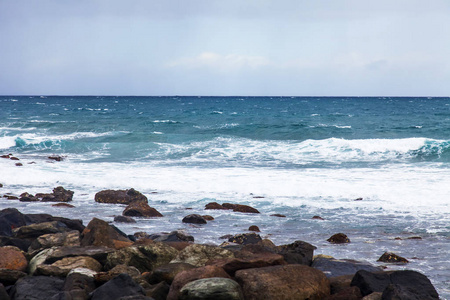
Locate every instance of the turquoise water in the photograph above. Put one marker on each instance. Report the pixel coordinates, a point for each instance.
(305, 155)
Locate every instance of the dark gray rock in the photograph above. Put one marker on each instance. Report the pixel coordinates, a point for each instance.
(338, 267)
(194, 219)
(120, 286)
(174, 236)
(124, 219)
(245, 238)
(298, 252)
(11, 218)
(119, 196)
(37, 288)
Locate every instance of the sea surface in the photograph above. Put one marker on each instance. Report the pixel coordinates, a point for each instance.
(297, 156)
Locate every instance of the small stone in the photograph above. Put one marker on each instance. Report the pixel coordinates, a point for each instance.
(317, 218)
(390, 257)
(124, 219)
(214, 205)
(339, 238)
(19, 164)
(359, 199)
(254, 228)
(56, 158)
(63, 205)
(13, 158)
(278, 215)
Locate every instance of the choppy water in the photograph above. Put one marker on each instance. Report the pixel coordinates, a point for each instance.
(305, 156)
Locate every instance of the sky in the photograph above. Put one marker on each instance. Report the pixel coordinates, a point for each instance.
(225, 48)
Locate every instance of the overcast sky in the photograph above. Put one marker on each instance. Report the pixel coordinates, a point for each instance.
(233, 47)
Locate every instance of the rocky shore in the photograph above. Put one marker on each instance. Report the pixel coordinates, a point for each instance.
(49, 257)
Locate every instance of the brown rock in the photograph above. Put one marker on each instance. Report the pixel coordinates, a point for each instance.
(297, 282)
(198, 255)
(9, 277)
(208, 217)
(190, 275)
(350, 293)
(248, 260)
(13, 158)
(339, 238)
(194, 219)
(168, 272)
(229, 205)
(340, 283)
(100, 233)
(140, 209)
(390, 257)
(103, 277)
(278, 215)
(119, 196)
(63, 205)
(245, 209)
(12, 258)
(64, 266)
(19, 165)
(254, 228)
(214, 205)
(317, 218)
(56, 158)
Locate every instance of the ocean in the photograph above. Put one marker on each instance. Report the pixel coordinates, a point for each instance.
(297, 156)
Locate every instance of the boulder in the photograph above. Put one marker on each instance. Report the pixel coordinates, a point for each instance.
(121, 286)
(124, 219)
(35, 230)
(26, 197)
(317, 218)
(208, 217)
(119, 196)
(130, 256)
(297, 282)
(390, 257)
(198, 255)
(65, 265)
(194, 219)
(248, 260)
(56, 158)
(254, 228)
(168, 272)
(185, 277)
(229, 205)
(339, 238)
(174, 236)
(72, 224)
(78, 285)
(140, 209)
(212, 288)
(158, 253)
(11, 218)
(338, 267)
(36, 288)
(71, 238)
(39, 259)
(407, 281)
(100, 233)
(3, 293)
(158, 291)
(299, 252)
(59, 194)
(245, 238)
(245, 209)
(9, 277)
(103, 277)
(12, 258)
(98, 253)
(350, 293)
(214, 205)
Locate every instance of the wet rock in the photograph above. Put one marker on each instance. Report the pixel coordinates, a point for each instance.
(158, 291)
(124, 219)
(72, 224)
(56, 158)
(12, 258)
(317, 218)
(11, 197)
(194, 219)
(9, 277)
(174, 236)
(254, 228)
(19, 165)
(98, 253)
(63, 205)
(299, 252)
(208, 217)
(245, 238)
(339, 238)
(11, 241)
(390, 257)
(5, 155)
(278, 215)
(35, 230)
(121, 286)
(338, 267)
(212, 288)
(13, 158)
(158, 253)
(37, 287)
(60, 194)
(283, 282)
(185, 277)
(26, 197)
(11, 218)
(414, 282)
(100, 233)
(198, 255)
(245, 209)
(168, 272)
(214, 205)
(1, 185)
(119, 196)
(140, 209)
(229, 205)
